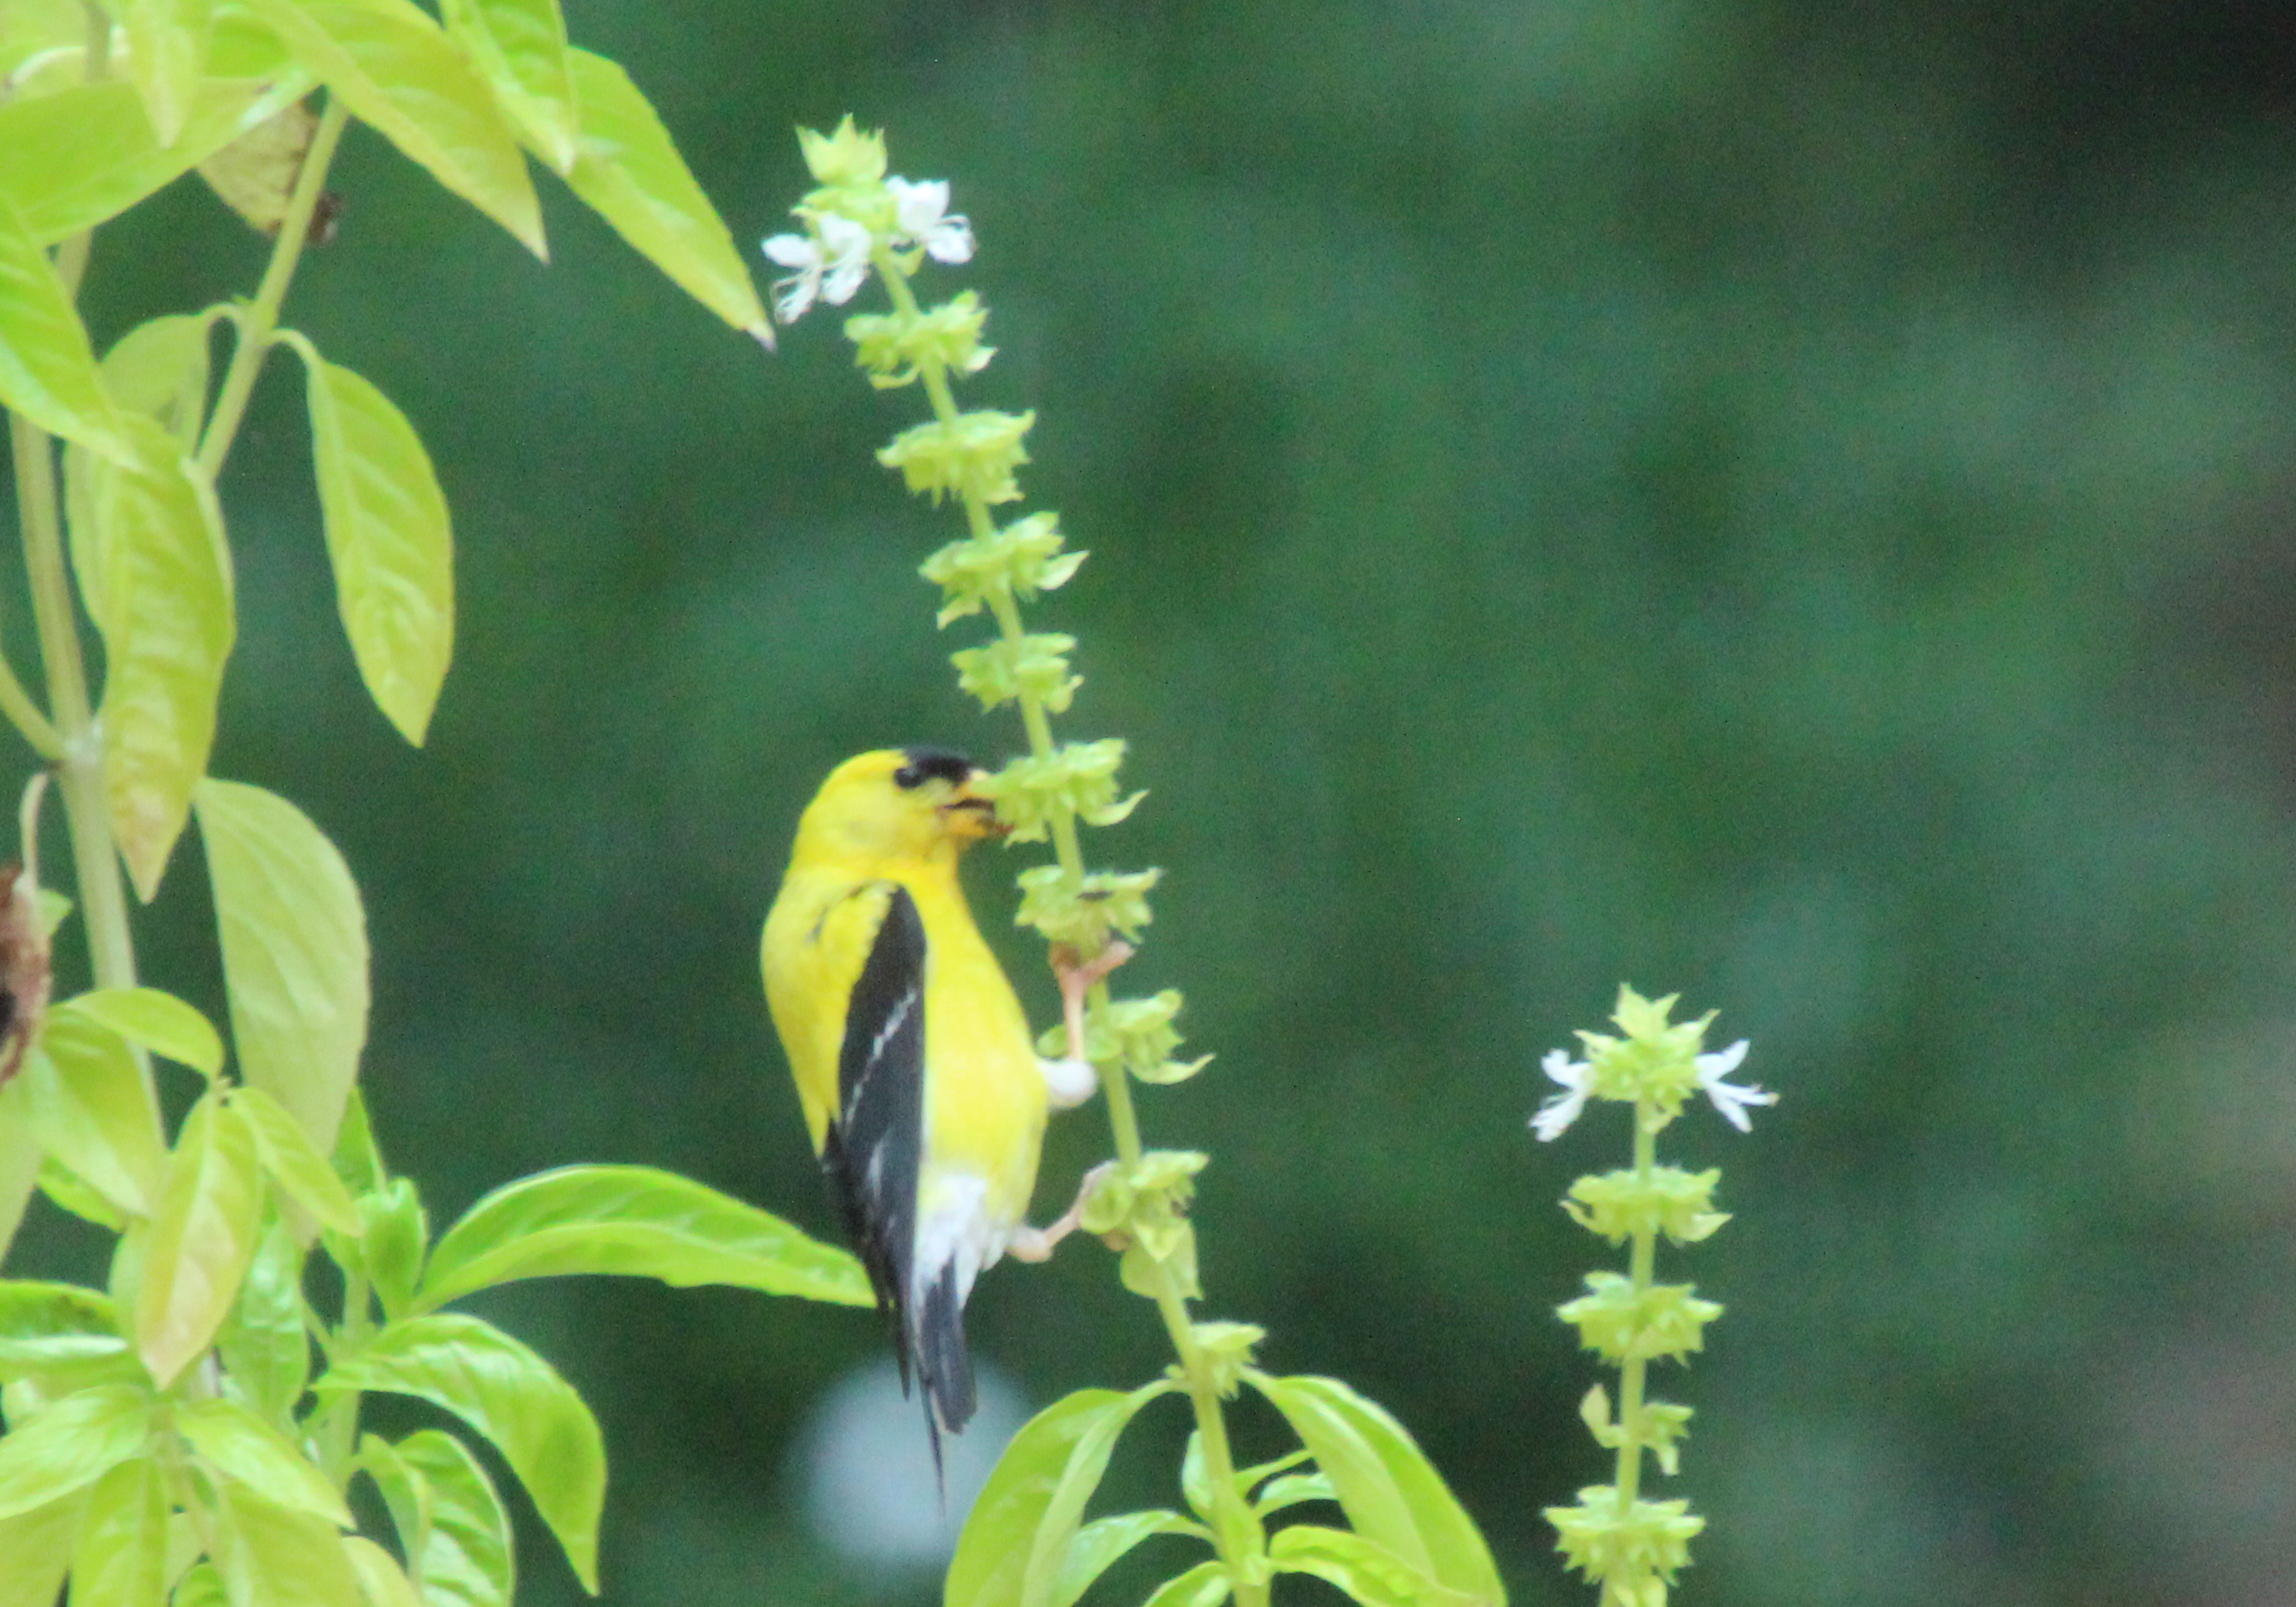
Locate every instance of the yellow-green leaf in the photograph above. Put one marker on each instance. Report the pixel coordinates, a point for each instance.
(1204, 1585)
(47, 369)
(167, 54)
(290, 1157)
(19, 1159)
(1362, 1569)
(161, 597)
(640, 1222)
(265, 1345)
(122, 1557)
(70, 1444)
(449, 1517)
(519, 48)
(514, 1397)
(201, 1240)
(395, 69)
(239, 1445)
(388, 538)
(38, 1546)
(156, 1021)
(381, 1581)
(274, 1556)
(95, 1113)
(294, 941)
(161, 367)
(72, 160)
(631, 175)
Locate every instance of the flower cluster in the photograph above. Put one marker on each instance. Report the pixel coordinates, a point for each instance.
(856, 212)
(1630, 1546)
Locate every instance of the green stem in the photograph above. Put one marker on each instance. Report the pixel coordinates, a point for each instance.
(253, 339)
(1640, 1268)
(335, 1426)
(1242, 1543)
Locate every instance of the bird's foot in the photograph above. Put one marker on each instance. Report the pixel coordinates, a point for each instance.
(1036, 1244)
(1076, 978)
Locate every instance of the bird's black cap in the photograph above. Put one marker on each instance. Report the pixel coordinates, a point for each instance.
(928, 764)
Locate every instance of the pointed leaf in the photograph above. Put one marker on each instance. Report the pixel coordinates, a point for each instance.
(201, 1240)
(265, 1345)
(153, 1020)
(450, 1520)
(519, 48)
(295, 1163)
(71, 1444)
(294, 942)
(239, 1445)
(74, 159)
(381, 1581)
(95, 1113)
(38, 1546)
(640, 1222)
(161, 593)
(1390, 1492)
(273, 1556)
(1016, 1540)
(1204, 1585)
(388, 538)
(51, 1332)
(1363, 1568)
(167, 58)
(121, 1558)
(19, 1159)
(1292, 1490)
(202, 1586)
(632, 176)
(395, 69)
(47, 369)
(1099, 1544)
(160, 367)
(511, 1395)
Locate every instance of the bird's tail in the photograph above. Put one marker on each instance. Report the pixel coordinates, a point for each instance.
(944, 1366)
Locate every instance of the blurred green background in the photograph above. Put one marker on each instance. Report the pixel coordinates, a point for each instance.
(1789, 505)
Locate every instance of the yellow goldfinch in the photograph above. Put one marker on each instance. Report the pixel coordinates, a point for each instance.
(913, 1060)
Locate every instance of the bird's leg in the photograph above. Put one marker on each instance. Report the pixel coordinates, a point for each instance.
(1073, 1080)
(1036, 1244)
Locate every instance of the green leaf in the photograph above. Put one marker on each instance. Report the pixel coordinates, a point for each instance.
(1204, 1585)
(19, 1159)
(1291, 1490)
(167, 55)
(122, 1557)
(514, 1397)
(355, 1159)
(201, 1586)
(388, 538)
(70, 1444)
(80, 156)
(1362, 1567)
(389, 1248)
(291, 1159)
(160, 367)
(381, 1581)
(636, 1221)
(156, 1021)
(95, 1113)
(54, 1331)
(294, 942)
(396, 70)
(632, 176)
(38, 1546)
(65, 1190)
(1100, 1542)
(519, 48)
(450, 1520)
(265, 1345)
(47, 369)
(1390, 1492)
(201, 1239)
(274, 1556)
(1017, 1541)
(241, 1446)
(157, 579)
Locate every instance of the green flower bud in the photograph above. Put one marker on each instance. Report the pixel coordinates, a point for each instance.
(973, 455)
(1633, 1552)
(848, 156)
(1078, 779)
(1619, 1204)
(1019, 561)
(1084, 916)
(1617, 1322)
(895, 347)
(1228, 1347)
(1034, 666)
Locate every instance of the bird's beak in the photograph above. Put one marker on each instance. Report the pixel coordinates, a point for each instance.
(970, 815)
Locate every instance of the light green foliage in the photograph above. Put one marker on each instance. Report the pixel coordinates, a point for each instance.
(1628, 1544)
(188, 1435)
(1026, 1542)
